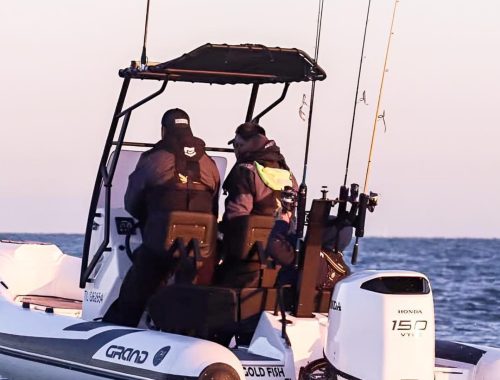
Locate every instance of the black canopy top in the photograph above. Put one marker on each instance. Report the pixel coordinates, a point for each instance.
(233, 64)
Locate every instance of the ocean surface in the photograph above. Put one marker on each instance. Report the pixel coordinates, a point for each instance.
(464, 275)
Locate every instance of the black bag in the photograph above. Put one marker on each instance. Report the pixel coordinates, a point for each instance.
(331, 269)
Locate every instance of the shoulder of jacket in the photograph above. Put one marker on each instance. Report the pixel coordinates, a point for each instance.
(208, 162)
(155, 157)
(247, 166)
(157, 153)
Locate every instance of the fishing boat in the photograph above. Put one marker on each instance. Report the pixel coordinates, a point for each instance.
(374, 325)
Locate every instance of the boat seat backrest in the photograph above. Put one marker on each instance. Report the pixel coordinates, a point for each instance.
(195, 235)
(247, 241)
(247, 235)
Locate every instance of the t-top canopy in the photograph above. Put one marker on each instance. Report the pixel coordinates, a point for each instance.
(234, 64)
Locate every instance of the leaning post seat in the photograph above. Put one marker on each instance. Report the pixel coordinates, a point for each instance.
(213, 313)
(195, 233)
(209, 312)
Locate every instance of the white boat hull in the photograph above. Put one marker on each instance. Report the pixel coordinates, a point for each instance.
(40, 342)
(58, 347)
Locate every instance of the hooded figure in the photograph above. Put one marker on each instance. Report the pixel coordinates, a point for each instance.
(175, 175)
(253, 187)
(254, 184)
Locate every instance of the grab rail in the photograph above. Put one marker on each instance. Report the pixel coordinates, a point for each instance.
(105, 178)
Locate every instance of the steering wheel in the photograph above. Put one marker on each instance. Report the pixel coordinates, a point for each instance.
(130, 232)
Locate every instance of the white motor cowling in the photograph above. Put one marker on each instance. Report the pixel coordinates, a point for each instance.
(381, 327)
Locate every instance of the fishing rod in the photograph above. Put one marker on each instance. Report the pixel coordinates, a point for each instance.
(377, 116)
(302, 194)
(345, 218)
(356, 100)
(144, 57)
(313, 90)
(370, 201)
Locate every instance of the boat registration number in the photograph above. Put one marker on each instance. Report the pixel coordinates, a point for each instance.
(92, 296)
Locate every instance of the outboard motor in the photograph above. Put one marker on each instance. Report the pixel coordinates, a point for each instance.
(381, 327)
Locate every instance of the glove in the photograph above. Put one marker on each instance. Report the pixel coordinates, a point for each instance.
(288, 200)
(372, 201)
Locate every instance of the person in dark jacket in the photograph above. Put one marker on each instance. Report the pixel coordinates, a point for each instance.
(282, 242)
(253, 187)
(175, 175)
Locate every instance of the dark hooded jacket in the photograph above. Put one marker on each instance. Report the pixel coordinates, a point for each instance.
(175, 175)
(247, 194)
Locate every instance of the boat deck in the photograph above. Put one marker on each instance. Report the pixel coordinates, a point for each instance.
(56, 305)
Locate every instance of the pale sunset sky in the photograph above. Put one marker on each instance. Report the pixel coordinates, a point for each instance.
(437, 166)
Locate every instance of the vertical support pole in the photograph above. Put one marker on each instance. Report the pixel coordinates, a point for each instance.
(251, 103)
(97, 185)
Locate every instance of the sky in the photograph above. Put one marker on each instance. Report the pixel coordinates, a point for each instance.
(436, 166)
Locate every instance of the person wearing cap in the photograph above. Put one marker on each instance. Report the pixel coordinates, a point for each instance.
(254, 183)
(253, 187)
(175, 175)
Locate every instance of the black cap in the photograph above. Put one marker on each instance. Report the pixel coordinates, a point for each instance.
(248, 130)
(176, 119)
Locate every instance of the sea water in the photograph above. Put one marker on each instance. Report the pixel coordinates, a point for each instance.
(464, 275)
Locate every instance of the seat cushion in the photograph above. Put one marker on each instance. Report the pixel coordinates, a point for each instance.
(197, 310)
